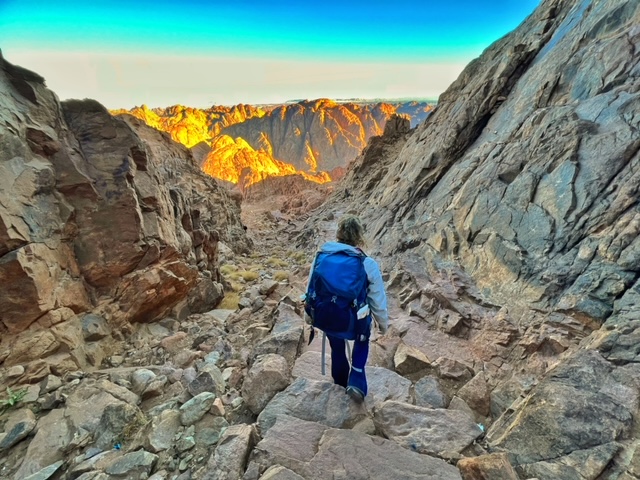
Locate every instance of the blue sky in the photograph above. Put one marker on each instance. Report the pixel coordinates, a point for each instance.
(198, 53)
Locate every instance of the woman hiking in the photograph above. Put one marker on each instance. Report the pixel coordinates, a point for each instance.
(345, 289)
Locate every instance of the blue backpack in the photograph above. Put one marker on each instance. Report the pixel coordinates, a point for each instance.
(337, 290)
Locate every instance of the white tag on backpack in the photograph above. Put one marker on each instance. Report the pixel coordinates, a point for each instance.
(363, 312)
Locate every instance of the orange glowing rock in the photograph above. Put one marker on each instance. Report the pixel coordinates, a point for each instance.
(234, 160)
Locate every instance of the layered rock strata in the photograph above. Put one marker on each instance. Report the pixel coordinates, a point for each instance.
(98, 213)
(525, 176)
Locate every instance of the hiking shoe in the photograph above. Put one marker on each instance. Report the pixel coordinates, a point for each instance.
(358, 381)
(356, 394)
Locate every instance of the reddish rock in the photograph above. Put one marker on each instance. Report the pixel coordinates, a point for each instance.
(176, 342)
(93, 206)
(487, 467)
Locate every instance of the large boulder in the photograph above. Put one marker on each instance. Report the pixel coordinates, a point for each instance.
(312, 400)
(487, 466)
(287, 336)
(229, 459)
(267, 376)
(433, 431)
(566, 414)
(48, 445)
(386, 385)
(18, 426)
(316, 451)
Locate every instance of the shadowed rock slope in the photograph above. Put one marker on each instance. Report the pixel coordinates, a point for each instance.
(99, 214)
(523, 185)
(527, 170)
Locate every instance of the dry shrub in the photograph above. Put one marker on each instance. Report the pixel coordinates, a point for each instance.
(276, 262)
(249, 275)
(230, 301)
(227, 270)
(131, 429)
(299, 256)
(281, 275)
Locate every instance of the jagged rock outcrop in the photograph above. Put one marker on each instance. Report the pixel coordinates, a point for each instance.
(235, 161)
(317, 135)
(526, 176)
(191, 126)
(525, 170)
(97, 213)
(249, 144)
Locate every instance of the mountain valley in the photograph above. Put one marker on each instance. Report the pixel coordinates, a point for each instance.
(150, 316)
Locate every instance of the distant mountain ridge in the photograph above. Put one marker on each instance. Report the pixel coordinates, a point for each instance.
(190, 126)
(246, 144)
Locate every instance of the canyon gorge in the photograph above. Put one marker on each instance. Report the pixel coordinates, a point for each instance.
(150, 321)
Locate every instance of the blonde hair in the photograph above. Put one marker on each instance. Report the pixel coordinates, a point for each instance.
(351, 231)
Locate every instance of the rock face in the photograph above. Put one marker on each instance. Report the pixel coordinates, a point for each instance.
(565, 415)
(526, 171)
(250, 144)
(315, 451)
(235, 161)
(426, 430)
(314, 135)
(192, 126)
(99, 213)
(520, 194)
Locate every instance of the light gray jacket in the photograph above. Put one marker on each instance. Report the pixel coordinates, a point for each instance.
(376, 296)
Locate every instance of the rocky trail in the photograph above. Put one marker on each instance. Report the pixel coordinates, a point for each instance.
(238, 393)
(507, 227)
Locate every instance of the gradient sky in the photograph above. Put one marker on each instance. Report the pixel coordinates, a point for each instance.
(198, 53)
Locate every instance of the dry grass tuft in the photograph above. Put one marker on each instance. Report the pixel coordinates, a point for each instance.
(299, 256)
(227, 270)
(230, 301)
(277, 262)
(249, 275)
(281, 275)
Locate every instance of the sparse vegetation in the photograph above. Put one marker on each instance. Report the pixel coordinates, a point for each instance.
(138, 422)
(14, 397)
(230, 301)
(280, 275)
(277, 262)
(233, 273)
(227, 270)
(249, 275)
(298, 256)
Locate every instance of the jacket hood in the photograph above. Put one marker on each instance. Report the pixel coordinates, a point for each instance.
(332, 247)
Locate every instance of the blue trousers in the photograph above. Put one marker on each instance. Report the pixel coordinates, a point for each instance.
(340, 371)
